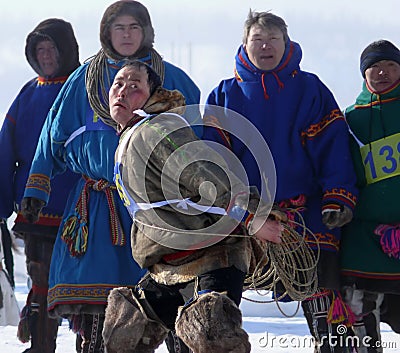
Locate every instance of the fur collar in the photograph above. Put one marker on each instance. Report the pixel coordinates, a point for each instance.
(161, 101)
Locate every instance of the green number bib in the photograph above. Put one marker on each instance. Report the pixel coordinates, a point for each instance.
(382, 160)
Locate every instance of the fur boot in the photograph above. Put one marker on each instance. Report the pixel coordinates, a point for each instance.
(212, 323)
(128, 327)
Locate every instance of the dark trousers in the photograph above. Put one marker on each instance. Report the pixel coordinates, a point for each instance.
(165, 300)
(91, 340)
(43, 330)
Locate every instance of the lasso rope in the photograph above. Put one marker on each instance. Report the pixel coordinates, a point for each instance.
(292, 263)
(290, 267)
(98, 82)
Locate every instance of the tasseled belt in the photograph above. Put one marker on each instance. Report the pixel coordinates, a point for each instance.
(75, 230)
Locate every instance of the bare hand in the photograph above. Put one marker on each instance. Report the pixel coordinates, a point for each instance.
(267, 230)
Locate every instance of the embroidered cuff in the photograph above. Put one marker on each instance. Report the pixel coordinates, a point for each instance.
(335, 199)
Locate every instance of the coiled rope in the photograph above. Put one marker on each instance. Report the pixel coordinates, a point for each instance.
(287, 269)
(290, 266)
(98, 82)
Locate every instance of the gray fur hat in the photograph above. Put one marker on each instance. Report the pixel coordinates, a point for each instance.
(140, 13)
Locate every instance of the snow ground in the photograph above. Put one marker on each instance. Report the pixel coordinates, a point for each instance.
(269, 330)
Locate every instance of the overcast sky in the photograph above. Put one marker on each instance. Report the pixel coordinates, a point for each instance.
(202, 36)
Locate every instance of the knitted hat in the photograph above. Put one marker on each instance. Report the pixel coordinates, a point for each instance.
(131, 8)
(377, 51)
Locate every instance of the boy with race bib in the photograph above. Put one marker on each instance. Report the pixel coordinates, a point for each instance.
(371, 274)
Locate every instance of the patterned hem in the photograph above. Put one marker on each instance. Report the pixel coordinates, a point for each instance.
(371, 275)
(44, 220)
(323, 241)
(67, 294)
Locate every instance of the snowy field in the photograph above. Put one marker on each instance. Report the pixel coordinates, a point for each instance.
(269, 330)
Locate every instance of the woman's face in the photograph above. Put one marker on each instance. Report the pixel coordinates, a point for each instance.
(126, 35)
(383, 74)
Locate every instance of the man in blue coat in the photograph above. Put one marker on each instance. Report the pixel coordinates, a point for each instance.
(80, 135)
(305, 130)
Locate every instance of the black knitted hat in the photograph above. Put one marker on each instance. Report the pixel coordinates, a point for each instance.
(377, 51)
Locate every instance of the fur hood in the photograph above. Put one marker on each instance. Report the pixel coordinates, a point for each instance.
(62, 35)
(163, 100)
(140, 13)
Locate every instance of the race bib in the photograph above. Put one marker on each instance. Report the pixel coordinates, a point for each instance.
(381, 158)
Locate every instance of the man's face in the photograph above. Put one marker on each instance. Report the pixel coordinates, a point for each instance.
(382, 75)
(265, 47)
(129, 92)
(126, 35)
(47, 57)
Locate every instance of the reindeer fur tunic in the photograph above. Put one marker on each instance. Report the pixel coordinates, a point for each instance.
(165, 239)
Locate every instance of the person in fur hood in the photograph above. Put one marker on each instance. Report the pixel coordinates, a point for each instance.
(52, 51)
(182, 198)
(80, 136)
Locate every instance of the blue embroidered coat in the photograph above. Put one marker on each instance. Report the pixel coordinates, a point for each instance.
(85, 268)
(18, 138)
(22, 126)
(306, 133)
